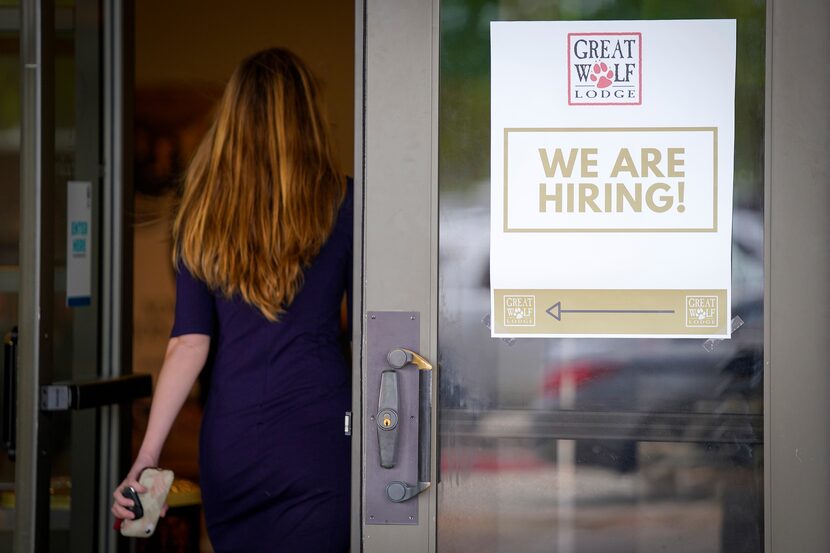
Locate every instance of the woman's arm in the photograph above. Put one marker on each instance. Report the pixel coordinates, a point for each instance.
(184, 360)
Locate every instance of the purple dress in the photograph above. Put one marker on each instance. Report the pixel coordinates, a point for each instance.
(273, 457)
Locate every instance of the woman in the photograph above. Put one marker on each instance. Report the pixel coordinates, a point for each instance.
(263, 250)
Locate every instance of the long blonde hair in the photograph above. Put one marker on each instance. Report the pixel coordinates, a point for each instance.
(262, 191)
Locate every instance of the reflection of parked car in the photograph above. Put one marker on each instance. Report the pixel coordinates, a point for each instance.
(635, 376)
(600, 406)
(685, 370)
(671, 375)
(659, 376)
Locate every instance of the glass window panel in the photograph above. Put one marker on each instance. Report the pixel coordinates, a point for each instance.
(499, 495)
(65, 325)
(592, 445)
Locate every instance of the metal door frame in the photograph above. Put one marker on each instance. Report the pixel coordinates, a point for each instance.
(37, 148)
(396, 117)
(797, 277)
(115, 454)
(396, 104)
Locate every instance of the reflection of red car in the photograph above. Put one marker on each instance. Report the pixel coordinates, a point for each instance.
(576, 374)
(659, 375)
(638, 379)
(641, 379)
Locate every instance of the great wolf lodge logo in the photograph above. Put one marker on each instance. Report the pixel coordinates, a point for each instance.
(701, 311)
(519, 310)
(604, 69)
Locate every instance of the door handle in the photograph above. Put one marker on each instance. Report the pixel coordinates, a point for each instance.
(398, 358)
(95, 393)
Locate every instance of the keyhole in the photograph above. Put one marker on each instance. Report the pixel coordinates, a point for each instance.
(387, 419)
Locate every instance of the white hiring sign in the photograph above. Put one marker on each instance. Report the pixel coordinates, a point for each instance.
(611, 178)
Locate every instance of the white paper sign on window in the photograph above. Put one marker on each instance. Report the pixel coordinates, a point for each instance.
(612, 169)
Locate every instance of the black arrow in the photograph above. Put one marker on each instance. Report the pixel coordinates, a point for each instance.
(556, 311)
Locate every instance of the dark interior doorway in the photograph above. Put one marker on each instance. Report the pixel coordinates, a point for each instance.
(184, 53)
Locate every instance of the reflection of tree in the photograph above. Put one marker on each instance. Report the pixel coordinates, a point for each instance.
(465, 77)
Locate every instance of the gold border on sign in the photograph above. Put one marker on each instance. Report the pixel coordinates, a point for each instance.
(713, 130)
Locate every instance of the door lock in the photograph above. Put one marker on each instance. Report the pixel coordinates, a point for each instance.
(387, 419)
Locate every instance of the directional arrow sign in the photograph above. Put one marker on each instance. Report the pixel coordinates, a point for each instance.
(556, 311)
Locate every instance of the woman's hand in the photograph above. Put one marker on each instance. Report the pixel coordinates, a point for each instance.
(186, 355)
(120, 503)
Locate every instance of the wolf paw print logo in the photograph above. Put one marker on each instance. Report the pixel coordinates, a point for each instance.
(702, 311)
(601, 75)
(519, 310)
(605, 69)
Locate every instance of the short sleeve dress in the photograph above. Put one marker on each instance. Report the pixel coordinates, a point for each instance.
(274, 460)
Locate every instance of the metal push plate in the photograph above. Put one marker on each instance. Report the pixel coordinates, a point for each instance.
(387, 330)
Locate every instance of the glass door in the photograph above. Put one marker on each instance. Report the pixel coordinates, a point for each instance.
(586, 444)
(60, 276)
(539, 444)
(59, 230)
